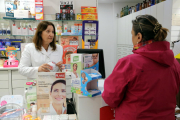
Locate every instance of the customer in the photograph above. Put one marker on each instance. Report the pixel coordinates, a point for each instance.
(36, 55)
(143, 86)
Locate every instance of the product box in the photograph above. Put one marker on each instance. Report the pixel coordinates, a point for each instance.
(66, 67)
(14, 29)
(67, 51)
(65, 28)
(59, 29)
(88, 9)
(30, 94)
(89, 82)
(51, 93)
(89, 16)
(91, 61)
(19, 31)
(92, 32)
(24, 31)
(21, 13)
(78, 16)
(69, 40)
(30, 31)
(86, 32)
(76, 67)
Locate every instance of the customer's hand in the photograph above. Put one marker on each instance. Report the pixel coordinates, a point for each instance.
(44, 68)
(59, 64)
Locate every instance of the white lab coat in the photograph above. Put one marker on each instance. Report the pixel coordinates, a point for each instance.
(31, 59)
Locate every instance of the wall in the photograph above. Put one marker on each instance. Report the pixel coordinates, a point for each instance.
(2, 6)
(106, 40)
(108, 31)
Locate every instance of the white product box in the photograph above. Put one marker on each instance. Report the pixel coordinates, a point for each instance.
(31, 31)
(86, 32)
(72, 29)
(64, 117)
(93, 27)
(21, 13)
(14, 29)
(92, 32)
(87, 26)
(72, 117)
(19, 31)
(34, 30)
(24, 31)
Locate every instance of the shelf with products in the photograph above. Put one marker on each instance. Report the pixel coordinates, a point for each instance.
(33, 35)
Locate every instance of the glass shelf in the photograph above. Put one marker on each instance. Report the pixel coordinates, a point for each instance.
(33, 35)
(3, 49)
(7, 18)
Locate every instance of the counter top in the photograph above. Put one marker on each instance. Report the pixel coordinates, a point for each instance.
(9, 68)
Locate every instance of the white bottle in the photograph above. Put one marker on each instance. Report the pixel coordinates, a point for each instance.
(34, 111)
(8, 31)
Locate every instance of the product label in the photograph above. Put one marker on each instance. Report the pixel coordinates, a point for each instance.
(60, 75)
(75, 58)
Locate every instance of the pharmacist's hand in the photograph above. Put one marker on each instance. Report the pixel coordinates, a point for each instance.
(59, 64)
(44, 68)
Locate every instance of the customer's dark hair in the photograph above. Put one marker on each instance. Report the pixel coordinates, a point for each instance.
(149, 27)
(58, 81)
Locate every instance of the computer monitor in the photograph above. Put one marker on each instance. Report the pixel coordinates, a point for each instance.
(101, 58)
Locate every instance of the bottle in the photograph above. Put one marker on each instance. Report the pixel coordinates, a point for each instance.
(73, 14)
(140, 6)
(1, 32)
(121, 14)
(34, 111)
(132, 9)
(124, 12)
(8, 31)
(60, 15)
(4, 31)
(145, 4)
(135, 8)
(150, 3)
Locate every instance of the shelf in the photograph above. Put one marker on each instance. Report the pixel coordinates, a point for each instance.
(62, 20)
(3, 49)
(33, 35)
(7, 18)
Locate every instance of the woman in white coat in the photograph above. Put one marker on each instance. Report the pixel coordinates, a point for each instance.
(43, 50)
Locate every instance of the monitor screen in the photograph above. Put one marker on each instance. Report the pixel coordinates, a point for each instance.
(101, 58)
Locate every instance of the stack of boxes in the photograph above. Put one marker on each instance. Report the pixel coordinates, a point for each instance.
(89, 13)
(90, 29)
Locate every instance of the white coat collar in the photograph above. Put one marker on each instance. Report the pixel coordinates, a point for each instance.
(47, 52)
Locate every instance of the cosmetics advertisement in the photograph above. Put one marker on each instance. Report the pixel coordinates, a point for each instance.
(69, 40)
(51, 93)
(67, 51)
(11, 5)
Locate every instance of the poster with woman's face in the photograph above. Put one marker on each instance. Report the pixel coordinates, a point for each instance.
(51, 93)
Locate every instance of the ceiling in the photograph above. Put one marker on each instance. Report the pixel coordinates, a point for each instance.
(112, 1)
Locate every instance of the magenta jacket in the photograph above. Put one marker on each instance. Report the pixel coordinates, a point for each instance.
(144, 85)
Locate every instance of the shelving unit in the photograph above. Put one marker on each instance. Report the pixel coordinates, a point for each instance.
(162, 11)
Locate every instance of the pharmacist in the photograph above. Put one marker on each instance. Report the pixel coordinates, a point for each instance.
(43, 52)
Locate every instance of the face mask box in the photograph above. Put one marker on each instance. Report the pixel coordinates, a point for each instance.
(76, 67)
(91, 61)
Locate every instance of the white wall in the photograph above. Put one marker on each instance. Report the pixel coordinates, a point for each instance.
(106, 41)
(2, 6)
(108, 31)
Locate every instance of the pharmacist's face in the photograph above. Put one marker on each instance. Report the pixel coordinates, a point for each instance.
(95, 58)
(48, 35)
(58, 93)
(136, 38)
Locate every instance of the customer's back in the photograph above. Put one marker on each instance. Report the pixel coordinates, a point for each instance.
(143, 86)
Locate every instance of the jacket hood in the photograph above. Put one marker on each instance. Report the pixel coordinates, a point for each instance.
(157, 51)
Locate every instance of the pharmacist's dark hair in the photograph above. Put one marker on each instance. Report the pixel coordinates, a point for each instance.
(57, 81)
(150, 28)
(37, 39)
